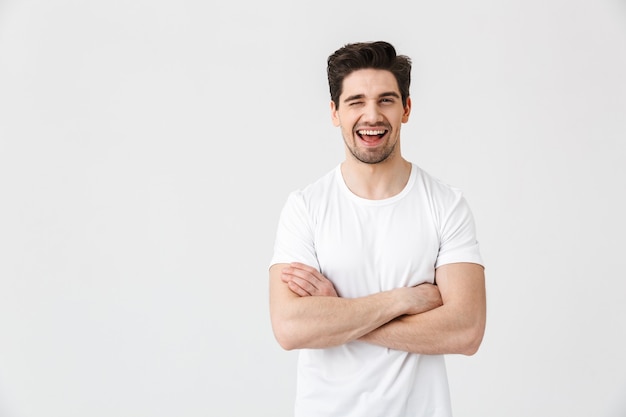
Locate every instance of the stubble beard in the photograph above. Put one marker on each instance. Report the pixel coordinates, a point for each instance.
(370, 156)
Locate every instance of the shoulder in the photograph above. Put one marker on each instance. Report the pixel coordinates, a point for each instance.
(435, 188)
(317, 191)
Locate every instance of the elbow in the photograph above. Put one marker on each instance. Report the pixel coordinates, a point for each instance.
(285, 343)
(290, 336)
(471, 347)
(472, 340)
(285, 337)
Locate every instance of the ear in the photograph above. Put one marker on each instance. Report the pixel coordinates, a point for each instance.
(334, 114)
(407, 110)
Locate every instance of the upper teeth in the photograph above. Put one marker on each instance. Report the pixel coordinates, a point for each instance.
(371, 132)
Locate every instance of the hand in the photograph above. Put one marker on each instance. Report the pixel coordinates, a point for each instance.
(423, 297)
(305, 281)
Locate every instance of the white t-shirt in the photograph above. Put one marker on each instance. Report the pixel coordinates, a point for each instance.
(364, 247)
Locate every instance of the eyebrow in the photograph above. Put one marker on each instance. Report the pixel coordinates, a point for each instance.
(362, 96)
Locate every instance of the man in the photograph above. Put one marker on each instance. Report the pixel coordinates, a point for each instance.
(376, 270)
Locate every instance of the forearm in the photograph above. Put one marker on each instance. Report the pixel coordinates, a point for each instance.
(319, 322)
(439, 331)
(304, 315)
(457, 326)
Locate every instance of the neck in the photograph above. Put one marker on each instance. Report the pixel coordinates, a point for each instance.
(376, 181)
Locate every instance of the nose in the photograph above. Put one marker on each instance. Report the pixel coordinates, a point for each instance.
(371, 113)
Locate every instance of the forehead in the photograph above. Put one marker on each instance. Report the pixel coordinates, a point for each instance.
(369, 82)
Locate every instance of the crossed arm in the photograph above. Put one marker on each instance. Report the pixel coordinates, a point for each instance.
(449, 317)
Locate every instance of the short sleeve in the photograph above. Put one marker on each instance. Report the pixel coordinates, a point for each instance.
(458, 234)
(295, 236)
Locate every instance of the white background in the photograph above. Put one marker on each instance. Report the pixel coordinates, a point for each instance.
(146, 148)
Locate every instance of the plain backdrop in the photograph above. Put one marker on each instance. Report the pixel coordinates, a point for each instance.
(147, 147)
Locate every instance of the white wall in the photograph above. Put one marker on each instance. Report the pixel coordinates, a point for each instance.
(146, 148)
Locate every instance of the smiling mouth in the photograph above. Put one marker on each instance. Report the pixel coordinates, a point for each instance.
(370, 135)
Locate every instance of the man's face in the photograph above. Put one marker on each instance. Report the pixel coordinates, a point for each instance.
(370, 114)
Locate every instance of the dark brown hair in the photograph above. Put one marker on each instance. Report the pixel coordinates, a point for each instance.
(365, 55)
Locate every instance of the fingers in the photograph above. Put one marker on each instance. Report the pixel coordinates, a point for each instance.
(304, 271)
(302, 266)
(297, 289)
(301, 282)
(302, 287)
(305, 280)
